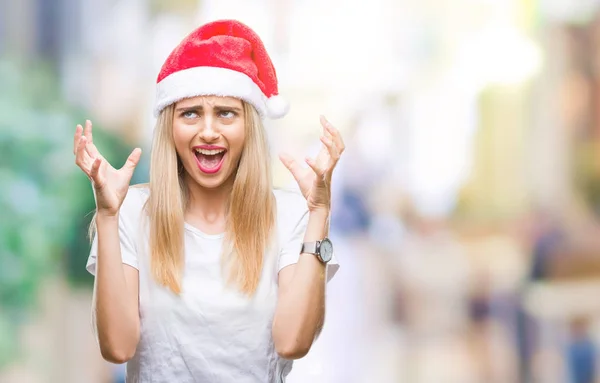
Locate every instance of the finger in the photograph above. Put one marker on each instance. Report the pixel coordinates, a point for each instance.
(95, 169)
(324, 124)
(91, 149)
(319, 170)
(286, 159)
(323, 157)
(88, 131)
(78, 132)
(100, 180)
(133, 160)
(82, 159)
(335, 134)
(292, 165)
(331, 148)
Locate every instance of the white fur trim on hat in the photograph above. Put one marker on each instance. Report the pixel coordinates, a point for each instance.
(209, 81)
(277, 106)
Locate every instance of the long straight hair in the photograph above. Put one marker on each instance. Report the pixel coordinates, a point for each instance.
(250, 214)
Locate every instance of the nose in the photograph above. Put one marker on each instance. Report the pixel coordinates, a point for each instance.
(208, 132)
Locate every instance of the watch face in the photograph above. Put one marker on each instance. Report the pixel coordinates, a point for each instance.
(326, 250)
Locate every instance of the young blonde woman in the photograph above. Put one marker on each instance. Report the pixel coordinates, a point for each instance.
(207, 274)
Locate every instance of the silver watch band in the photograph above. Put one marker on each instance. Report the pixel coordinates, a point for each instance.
(310, 247)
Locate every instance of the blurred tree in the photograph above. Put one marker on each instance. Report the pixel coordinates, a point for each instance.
(44, 198)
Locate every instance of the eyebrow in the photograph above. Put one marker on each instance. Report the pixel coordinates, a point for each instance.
(216, 107)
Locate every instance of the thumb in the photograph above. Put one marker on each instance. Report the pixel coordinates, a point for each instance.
(291, 164)
(133, 160)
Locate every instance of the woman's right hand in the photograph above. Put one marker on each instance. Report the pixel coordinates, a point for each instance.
(110, 185)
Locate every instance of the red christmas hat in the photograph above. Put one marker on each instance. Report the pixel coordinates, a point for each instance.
(221, 58)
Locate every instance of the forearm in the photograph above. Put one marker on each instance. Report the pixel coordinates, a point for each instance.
(301, 306)
(115, 302)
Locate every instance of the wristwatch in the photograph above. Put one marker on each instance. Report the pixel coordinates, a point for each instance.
(322, 249)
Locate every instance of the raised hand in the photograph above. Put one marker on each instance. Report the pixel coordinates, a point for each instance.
(110, 185)
(315, 181)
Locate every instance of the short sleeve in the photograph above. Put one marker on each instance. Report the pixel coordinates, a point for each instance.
(129, 224)
(293, 220)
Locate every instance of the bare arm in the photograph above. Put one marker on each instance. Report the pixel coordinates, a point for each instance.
(300, 309)
(115, 311)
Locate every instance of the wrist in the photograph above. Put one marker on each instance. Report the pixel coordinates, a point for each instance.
(319, 212)
(318, 225)
(106, 216)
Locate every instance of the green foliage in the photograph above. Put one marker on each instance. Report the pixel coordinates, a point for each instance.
(45, 200)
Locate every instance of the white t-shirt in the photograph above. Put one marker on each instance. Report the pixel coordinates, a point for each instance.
(209, 333)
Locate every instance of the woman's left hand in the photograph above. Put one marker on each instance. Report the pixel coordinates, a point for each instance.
(315, 181)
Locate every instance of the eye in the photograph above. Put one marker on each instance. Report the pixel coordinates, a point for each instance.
(189, 114)
(227, 114)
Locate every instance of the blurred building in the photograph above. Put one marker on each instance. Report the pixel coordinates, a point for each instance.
(463, 121)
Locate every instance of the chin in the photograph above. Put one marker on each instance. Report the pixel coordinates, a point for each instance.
(210, 183)
(214, 181)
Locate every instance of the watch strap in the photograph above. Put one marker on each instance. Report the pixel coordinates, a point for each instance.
(310, 247)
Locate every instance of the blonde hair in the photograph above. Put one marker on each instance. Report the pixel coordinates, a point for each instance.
(250, 214)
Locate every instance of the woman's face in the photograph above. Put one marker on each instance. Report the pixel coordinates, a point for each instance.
(209, 135)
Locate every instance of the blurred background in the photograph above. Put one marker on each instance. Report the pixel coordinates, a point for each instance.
(466, 207)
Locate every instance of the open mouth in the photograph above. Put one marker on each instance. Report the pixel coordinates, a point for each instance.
(210, 160)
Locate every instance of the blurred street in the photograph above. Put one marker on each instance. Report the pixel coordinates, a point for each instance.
(466, 213)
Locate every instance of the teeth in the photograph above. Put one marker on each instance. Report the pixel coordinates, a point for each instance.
(207, 152)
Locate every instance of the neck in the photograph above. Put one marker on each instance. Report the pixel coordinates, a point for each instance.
(206, 208)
